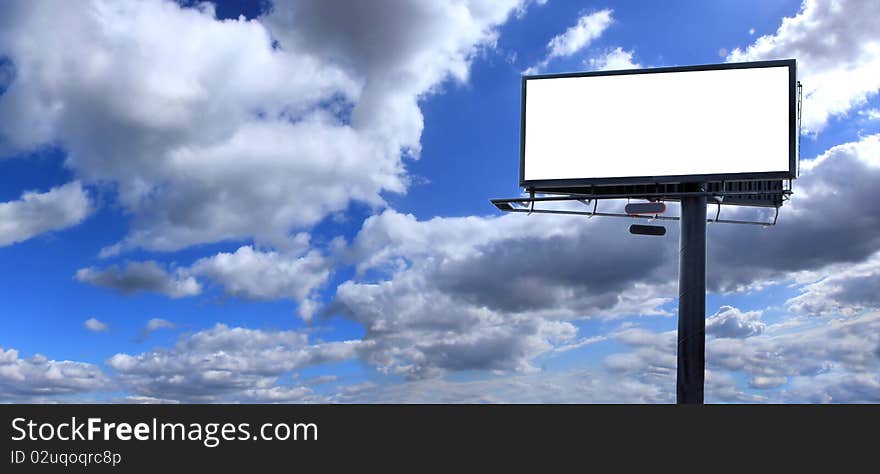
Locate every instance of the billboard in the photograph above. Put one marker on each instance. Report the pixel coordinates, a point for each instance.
(666, 125)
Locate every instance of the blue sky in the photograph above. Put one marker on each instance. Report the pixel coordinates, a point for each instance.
(288, 201)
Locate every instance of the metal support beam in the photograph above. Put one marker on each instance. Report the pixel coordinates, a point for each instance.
(504, 205)
(692, 300)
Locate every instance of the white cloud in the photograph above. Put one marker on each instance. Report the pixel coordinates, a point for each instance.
(210, 133)
(40, 379)
(223, 363)
(247, 273)
(588, 28)
(522, 9)
(843, 289)
(94, 325)
(35, 213)
(541, 257)
(832, 360)
(141, 276)
(152, 326)
(615, 59)
(836, 346)
(158, 323)
(828, 205)
(418, 332)
(865, 152)
(491, 293)
(732, 322)
(837, 45)
(870, 114)
(652, 360)
(207, 131)
(835, 386)
(427, 290)
(257, 275)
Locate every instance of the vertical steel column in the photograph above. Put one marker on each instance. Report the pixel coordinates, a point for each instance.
(692, 299)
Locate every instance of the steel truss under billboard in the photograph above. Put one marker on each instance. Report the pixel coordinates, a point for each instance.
(655, 129)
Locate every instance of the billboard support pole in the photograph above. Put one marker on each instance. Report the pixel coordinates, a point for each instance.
(692, 299)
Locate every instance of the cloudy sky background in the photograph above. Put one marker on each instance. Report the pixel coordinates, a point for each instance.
(287, 202)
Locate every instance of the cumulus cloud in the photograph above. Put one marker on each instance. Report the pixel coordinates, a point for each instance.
(94, 325)
(588, 28)
(652, 359)
(615, 59)
(424, 288)
(421, 333)
(152, 326)
(141, 276)
(37, 378)
(255, 275)
(401, 50)
(844, 348)
(247, 273)
(222, 362)
(843, 289)
(330, 111)
(140, 81)
(35, 213)
(158, 323)
(212, 130)
(835, 387)
(732, 322)
(455, 263)
(451, 294)
(825, 223)
(794, 363)
(836, 45)
(462, 274)
(517, 263)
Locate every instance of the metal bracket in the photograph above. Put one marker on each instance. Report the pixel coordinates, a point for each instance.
(529, 204)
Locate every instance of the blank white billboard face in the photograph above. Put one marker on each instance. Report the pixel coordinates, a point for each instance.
(698, 122)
